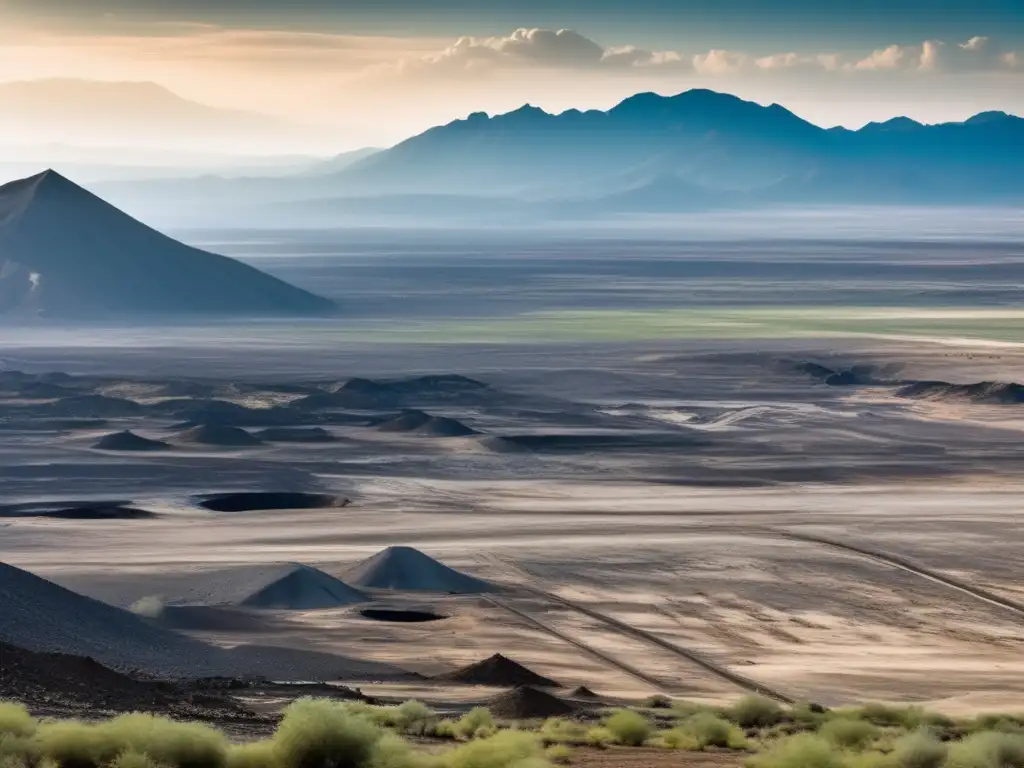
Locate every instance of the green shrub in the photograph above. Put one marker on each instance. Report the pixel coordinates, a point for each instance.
(18, 750)
(166, 742)
(657, 702)
(804, 750)
(132, 759)
(994, 722)
(317, 733)
(849, 733)
(560, 730)
(989, 749)
(72, 744)
(15, 720)
(414, 717)
(559, 754)
(756, 712)
(919, 749)
(629, 727)
(705, 730)
(477, 719)
(445, 729)
(394, 752)
(256, 754)
(504, 749)
(809, 716)
(909, 718)
(599, 737)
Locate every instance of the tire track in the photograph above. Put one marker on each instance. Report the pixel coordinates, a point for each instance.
(622, 627)
(978, 593)
(622, 666)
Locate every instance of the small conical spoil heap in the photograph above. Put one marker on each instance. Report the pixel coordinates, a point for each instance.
(128, 441)
(583, 692)
(220, 436)
(527, 703)
(304, 588)
(409, 570)
(499, 671)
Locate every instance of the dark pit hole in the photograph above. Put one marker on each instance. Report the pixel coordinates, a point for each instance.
(407, 617)
(258, 502)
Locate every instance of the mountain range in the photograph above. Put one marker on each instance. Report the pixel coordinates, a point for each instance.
(649, 154)
(143, 115)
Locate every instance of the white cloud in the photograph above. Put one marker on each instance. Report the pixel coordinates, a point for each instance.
(719, 62)
(978, 54)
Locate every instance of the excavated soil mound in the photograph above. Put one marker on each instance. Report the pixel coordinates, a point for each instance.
(421, 423)
(260, 502)
(499, 671)
(77, 510)
(300, 587)
(401, 617)
(94, 407)
(986, 392)
(583, 693)
(129, 441)
(220, 436)
(526, 703)
(408, 569)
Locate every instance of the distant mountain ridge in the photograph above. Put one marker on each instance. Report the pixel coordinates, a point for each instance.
(649, 154)
(704, 138)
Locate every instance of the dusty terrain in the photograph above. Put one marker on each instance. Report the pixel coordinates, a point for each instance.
(676, 503)
(692, 523)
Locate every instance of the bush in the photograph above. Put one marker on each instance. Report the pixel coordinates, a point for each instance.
(804, 750)
(629, 727)
(599, 737)
(658, 702)
(15, 720)
(989, 749)
(508, 748)
(132, 759)
(756, 712)
(394, 752)
(919, 750)
(165, 742)
(477, 720)
(849, 733)
(75, 745)
(909, 718)
(414, 717)
(256, 754)
(705, 730)
(809, 715)
(318, 733)
(559, 754)
(560, 730)
(1003, 723)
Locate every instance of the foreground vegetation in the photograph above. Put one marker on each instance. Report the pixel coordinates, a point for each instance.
(318, 733)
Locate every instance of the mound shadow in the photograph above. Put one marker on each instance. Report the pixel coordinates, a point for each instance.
(260, 501)
(401, 616)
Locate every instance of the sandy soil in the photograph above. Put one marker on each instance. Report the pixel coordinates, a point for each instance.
(660, 558)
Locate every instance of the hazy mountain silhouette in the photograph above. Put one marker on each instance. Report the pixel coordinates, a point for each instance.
(694, 151)
(134, 114)
(66, 252)
(710, 140)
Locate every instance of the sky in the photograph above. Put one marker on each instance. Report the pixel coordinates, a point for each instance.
(375, 71)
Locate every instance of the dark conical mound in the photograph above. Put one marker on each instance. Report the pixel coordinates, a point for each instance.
(407, 421)
(583, 693)
(408, 569)
(299, 587)
(77, 510)
(219, 435)
(93, 406)
(421, 423)
(129, 441)
(296, 435)
(526, 703)
(68, 253)
(499, 670)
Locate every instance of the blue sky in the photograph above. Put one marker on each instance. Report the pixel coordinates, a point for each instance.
(385, 68)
